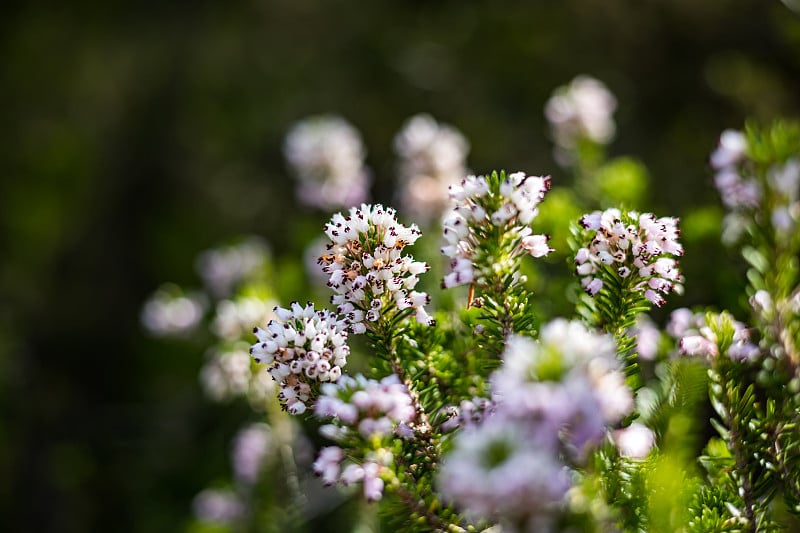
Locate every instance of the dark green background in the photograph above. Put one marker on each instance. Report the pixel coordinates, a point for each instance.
(136, 134)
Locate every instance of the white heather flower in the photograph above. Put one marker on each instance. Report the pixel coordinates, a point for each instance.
(234, 319)
(222, 269)
(635, 441)
(495, 472)
(483, 205)
(638, 247)
(581, 110)
(432, 157)
(367, 269)
(326, 155)
(731, 150)
(302, 347)
(170, 313)
(218, 507)
(251, 449)
(368, 407)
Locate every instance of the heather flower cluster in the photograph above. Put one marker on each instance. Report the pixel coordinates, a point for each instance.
(369, 407)
(367, 270)
(488, 212)
(326, 155)
(432, 156)
(227, 374)
(735, 190)
(553, 400)
(362, 410)
(304, 347)
(171, 313)
(494, 416)
(697, 334)
(237, 317)
(497, 472)
(569, 382)
(252, 449)
(581, 110)
(745, 192)
(632, 249)
(225, 267)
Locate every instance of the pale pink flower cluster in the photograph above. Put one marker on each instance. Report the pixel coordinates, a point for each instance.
(477, 208)
(552, 399)
(639, 247)
(365, 409)
(326, 155)
(432, 156)
(697, 336)
(223, 268)
(333, 468)
(303, 346)
(369, 407)
(496, 471)
(569, 381)
(251, 450)
(367, 270)
(735, 190)
(582, 109)
(227, 374)
(743, 192)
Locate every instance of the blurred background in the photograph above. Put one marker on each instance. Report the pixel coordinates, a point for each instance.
(137, 135)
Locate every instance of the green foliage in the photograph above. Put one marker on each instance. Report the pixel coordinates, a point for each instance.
(623, 181)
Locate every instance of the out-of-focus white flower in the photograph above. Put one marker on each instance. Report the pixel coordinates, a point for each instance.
(218, 506)
(226, 375)
(563, 381)
(251, 449)
(494, 472)
(635, 441)
(774, 196)
(171, 313)
(581, 110)
(761, 302)
(236, 318)
(225, 267)
(326, 155)
(432, 156)
(731, 150)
